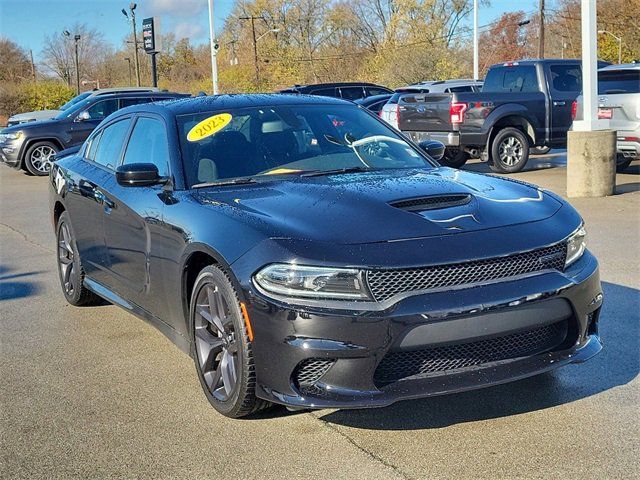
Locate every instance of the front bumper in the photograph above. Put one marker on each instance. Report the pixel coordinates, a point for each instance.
(10, 152)
(355, 343)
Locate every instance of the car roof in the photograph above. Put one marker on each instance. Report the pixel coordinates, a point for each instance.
(624, 66)
(373, 98)
(209, 103)
(330, 85)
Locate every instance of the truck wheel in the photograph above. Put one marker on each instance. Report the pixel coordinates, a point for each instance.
(622, 163)
(509, 151)
(454, 157)
(38, 158)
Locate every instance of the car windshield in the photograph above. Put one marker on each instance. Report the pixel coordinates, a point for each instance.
(618, 81)
(257, 142)
(75, 100)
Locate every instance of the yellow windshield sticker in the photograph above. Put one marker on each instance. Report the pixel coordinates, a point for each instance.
(208, 127)
(280, 171)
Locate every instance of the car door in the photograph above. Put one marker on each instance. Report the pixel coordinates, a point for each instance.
(565, 83)
(89, 118)
(133, 220)
(87, 203)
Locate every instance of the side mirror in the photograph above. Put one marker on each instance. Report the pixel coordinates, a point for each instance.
(83, 116)
(434, 148)
(138, 175)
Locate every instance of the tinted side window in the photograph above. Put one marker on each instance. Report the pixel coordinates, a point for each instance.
(110, 145)
(102, 109)
(352, 93)
(619, 81)
(93, 145)
(127, 102)
(149, 144)
(566, 78)
(520, 79)
(371, 91)
(324, 92)
(466, 88)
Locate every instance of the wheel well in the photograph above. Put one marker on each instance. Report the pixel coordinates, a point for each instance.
(194, 265)
(58, 209)
(28, 145)
(514, 121)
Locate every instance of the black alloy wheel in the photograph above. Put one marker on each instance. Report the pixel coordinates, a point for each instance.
(70, 269)
(509, 151)
(454, 157)
(221, 346)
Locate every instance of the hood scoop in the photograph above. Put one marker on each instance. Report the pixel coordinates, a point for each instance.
(435, 202)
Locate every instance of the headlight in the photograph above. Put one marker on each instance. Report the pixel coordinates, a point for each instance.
(312, 282)
(10, 136)
(576, 245)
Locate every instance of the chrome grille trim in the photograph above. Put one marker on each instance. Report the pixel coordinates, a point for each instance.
(385, 284)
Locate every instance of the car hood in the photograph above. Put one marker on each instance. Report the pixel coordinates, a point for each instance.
(358, 208)
(35, 115)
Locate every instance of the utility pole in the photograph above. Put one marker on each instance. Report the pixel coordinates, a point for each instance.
(77, 38)
(214, 50)
(476, 73)
(255, 45)
(541, 36)
(33, 66)
(132, 8)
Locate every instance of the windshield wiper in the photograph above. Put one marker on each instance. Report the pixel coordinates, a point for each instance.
(318, 173)
(231, 181)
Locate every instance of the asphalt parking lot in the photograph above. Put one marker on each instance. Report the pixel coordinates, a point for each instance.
(95, 392)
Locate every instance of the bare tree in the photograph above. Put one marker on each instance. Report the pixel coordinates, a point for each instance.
(15, 62)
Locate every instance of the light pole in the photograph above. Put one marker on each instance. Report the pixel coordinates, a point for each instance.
(255, 42)
(619, 39)
(132, 8)
(76, 39)
(128, 60)
(214, 50)
(476, 62)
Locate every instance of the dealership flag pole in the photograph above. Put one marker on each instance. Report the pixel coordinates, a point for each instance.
(214, 50)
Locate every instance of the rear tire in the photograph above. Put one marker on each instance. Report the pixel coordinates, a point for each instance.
(220, 346)
(37, 160)
(454, 157)
(509, 151)
(622, 163)
(70, 271)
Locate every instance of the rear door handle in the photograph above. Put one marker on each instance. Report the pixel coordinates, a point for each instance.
(559, 103)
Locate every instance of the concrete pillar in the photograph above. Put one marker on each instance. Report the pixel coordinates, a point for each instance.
(591, 163)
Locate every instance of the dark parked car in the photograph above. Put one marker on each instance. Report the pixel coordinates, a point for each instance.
(346, 90)
(32, 145)
(522, 105)
(305, 253)
(374, 103)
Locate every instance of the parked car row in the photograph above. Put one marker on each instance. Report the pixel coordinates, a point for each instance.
(32, 145)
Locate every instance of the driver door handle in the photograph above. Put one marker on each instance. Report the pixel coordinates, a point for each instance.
(102, 199)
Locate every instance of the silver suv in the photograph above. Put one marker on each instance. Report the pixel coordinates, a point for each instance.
(619, 102)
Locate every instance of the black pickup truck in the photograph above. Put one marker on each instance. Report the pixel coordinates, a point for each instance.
(522, 105)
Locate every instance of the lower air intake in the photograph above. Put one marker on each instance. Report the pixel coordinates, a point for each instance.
(309, 371)
(400, 365)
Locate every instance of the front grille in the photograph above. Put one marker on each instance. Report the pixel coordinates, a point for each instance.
(385, 284)
(432, 203)
(309, 371)
(398, 365)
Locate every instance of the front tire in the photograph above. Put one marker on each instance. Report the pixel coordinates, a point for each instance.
(70, 271)
(454, 157)
(509, 151)
(37, 160)
(221, 347)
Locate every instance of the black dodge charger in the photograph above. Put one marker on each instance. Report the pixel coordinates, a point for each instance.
(305, 253)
